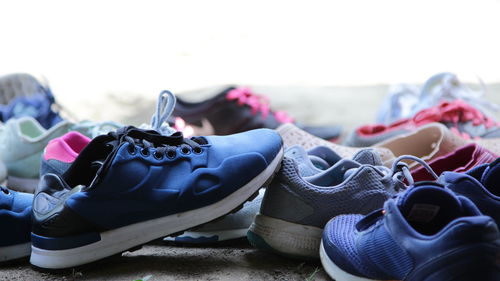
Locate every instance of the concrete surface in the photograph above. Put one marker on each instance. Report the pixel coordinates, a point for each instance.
(349, 106)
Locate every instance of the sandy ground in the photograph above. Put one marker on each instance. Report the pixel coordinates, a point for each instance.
(349, 106)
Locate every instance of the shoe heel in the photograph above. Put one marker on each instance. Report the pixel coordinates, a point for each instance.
(285, 238)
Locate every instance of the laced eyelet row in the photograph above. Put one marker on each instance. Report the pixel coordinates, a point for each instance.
(170, 153)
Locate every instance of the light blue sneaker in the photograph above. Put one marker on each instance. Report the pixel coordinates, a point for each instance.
(295, 207)
(21, 145)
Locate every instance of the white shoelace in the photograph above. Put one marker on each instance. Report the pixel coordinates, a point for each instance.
(164, 108)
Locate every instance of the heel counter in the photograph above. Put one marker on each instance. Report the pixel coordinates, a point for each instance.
(280, 201)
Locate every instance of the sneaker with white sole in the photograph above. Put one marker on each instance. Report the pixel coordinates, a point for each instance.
(295, 208)
(133, 186)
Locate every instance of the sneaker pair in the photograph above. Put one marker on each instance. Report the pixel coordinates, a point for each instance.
(445, 230)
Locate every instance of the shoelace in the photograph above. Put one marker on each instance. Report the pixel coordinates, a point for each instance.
(5, 190)
(258, 103)
(401, 170)
(446, 86)
(454, 112)
(164, 108)
(162, 147)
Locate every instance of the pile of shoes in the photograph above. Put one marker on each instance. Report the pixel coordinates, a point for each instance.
(415, 197)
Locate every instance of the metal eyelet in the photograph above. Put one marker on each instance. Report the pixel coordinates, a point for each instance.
(198, 150)
(171, 154)
(158, 155)
(131, 149)
(186, 150)
(145, 152)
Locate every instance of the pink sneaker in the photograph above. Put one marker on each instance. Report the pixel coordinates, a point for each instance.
(460, 160)
(460, 117)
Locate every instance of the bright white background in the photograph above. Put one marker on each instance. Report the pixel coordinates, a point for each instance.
(91, 48)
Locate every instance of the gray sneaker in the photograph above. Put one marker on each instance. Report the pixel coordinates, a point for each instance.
(295, 207)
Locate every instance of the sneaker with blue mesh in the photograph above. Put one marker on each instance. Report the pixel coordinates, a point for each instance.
(300, 201)
(133, 186)
(15, 224)
(480, 185)
(425, 234)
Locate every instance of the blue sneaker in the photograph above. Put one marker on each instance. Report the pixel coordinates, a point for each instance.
(480, 185)
(27, 97)
(300, 201)
(425, 234)
(130, 187)
(15, 224)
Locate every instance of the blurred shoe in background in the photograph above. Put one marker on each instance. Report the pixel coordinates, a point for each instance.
(22, 141)
(428, 142)
(22, 95)
(292, 135)
(462, 119)
(398, 104)
(15, 224)
(238, 109)
(460, 161)
(404, 100)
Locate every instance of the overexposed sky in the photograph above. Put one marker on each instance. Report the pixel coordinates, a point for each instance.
(94, 47)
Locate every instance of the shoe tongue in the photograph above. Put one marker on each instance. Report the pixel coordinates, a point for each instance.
(368, 157)
(428, 207)
(491, 177)
(304, 163)
(84, 168)
(333, 175)
(323, 157)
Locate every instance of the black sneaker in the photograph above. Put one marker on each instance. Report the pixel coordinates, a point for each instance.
(234, 110)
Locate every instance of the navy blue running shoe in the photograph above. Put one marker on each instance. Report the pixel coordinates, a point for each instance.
(15, 224)
(480, 185)
(23, 95)
(424, 234)
(133, 186)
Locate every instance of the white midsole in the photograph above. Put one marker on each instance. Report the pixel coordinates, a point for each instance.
(287, 237)
(15, 251)
(121, 239)
(334, 271)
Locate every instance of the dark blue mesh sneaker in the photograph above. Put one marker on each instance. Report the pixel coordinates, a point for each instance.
(424, 234)
(15, 224)
(133, 186)
(480, 185)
